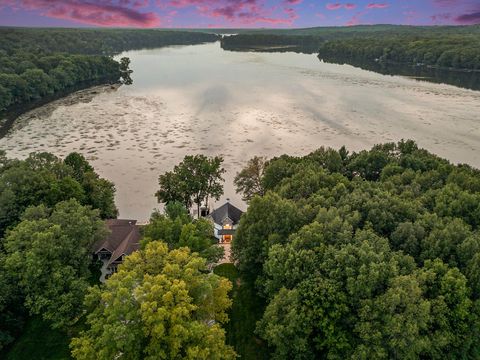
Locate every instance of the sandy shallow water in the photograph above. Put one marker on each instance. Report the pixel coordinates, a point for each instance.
(201, 99)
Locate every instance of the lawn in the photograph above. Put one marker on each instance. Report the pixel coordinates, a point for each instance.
(38, 341)
(246, 310)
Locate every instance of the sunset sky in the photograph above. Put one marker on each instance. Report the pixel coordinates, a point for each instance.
(235, 13)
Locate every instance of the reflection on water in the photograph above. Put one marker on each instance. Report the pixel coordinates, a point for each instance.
(201, 99)
(464, 79)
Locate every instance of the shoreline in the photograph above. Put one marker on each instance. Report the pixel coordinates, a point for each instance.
(8, 117)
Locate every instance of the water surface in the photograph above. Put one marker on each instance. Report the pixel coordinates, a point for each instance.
(201, 99)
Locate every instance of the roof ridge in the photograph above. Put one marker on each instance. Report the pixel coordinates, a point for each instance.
(121, 247)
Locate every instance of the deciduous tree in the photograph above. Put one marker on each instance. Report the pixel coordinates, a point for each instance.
(161, 304)
(194, 181)
(49, 254)
(249, 180)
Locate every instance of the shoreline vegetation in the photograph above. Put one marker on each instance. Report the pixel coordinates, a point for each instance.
(333, 245)
(387, 49)
(41, 65)
(8, 117)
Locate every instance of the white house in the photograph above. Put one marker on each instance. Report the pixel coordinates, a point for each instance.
(225, 220)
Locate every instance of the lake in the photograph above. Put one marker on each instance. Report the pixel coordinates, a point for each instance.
(201, 99)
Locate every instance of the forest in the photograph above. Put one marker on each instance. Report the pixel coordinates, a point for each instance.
(459, 52)
(96, 41)
(370, 255)
(35, 63)
(275, 42)
(444, 47)
(39, 198)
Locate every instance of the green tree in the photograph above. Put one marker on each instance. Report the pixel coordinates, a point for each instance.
(454, 323)
(79, 165)
(49, 255)
(381, 264)
(5, 98)
(161, 304)
(39, 83)
(178, 229)
(249, 180)
(268, 221)
(42, 178)
(194, 181)
(125, 71)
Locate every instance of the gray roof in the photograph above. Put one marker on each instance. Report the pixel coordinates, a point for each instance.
(225, 211)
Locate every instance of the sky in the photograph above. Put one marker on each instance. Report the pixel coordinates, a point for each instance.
(235, 13)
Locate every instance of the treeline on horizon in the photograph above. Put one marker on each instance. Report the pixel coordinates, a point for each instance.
(35, 63)
(459, 52)
(306, 43)
(446, 47)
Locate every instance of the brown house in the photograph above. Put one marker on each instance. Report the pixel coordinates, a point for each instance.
(124, 239)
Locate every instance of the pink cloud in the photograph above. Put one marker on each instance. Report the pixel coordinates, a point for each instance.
(333, 6)
(337, 6)
(101, 12)
(241, 12)
(377, 6)
(469, 18)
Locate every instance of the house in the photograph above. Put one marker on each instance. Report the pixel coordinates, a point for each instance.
(124, 239)
(225, 220)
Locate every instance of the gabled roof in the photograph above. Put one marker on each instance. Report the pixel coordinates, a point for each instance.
(124, 238)
(226, 211)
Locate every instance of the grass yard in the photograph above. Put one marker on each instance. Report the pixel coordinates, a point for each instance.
(38, 341)
(246, 311)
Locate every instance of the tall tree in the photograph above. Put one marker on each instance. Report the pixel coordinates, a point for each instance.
(194, 181)
(249, 180)
(49, 254)
(161, 304)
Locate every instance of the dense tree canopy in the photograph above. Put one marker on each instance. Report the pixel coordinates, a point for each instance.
(44, 257)
(369, 255)
(454, 47)
(447, 51)
(48, 255)
(27, 76)
(177, 229)
(195, 180)
(95, 41)
(35, 63)
(43, 178)
(426, 52)
(161, 304)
